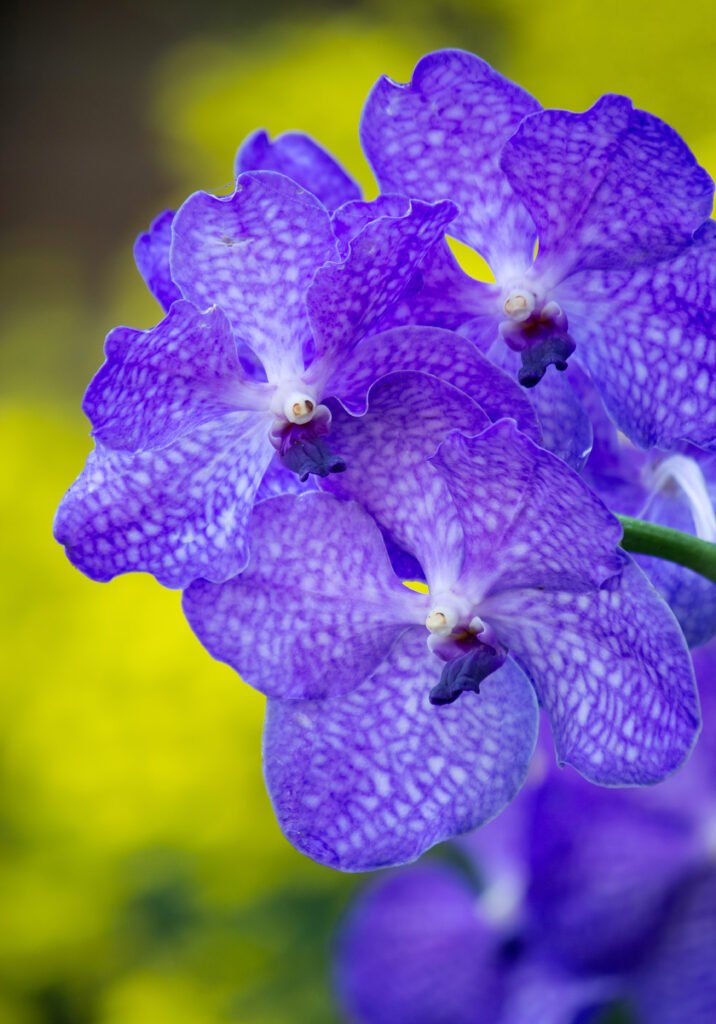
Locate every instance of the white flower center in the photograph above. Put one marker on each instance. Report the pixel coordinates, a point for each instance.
(441, 621)
(520, 304)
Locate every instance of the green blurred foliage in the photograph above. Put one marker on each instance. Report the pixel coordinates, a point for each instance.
(142, 876)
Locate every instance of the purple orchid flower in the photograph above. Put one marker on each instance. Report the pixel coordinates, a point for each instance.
(625, 274)
(189, 415)
(293, 154)
(615, 901)
(369, 758)
(676, 490)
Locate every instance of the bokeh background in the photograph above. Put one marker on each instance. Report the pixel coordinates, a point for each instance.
(143, 879)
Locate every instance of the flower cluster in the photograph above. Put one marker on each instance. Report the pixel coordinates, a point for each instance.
(331, 408)
(575, 900)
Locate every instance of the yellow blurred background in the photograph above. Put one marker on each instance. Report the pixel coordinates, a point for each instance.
(143, 879)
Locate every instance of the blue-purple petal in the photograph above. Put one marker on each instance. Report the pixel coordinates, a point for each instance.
(611, 670)
(316, 609)
(610, 187)
(158, 384)
(648, 338)
(151, 254)
(179, 512)
(377, 776)
(254, 254)
(440, 137)
(414, 950)
(300, 158)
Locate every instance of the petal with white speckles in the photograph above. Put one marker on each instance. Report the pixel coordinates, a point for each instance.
(179, 512)
(317, 607)
(377, 776)
(648, 338)
(611, 670)
(443, 354)
(253, 254)
(528, 519)
(610, 187)
(385, 452)
(349, 299)
(158, 384)
(440, 137)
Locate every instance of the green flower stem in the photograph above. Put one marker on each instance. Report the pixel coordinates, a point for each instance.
(673, 545)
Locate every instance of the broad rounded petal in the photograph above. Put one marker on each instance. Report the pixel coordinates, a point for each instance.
(348, 299)
(414, 949)
(151, 254)
(300, 158)
(254, 254)
(178, 513)
(443, 354)
(317, 607)
(677, 983)
(440, 136)
(385, 451)
(158, 384)
(611, 670)
(610, 187)
(529, 520)
(378, 776)
(592, 901)
(648, 338)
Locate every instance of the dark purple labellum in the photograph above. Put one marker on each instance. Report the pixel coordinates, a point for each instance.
(466, 673)
(554, 350)
(312, 455)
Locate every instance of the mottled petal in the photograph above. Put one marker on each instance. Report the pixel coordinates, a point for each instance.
(377, 776)
(611, 187)
(385, 450)
(278, 480)
(529, 520)
(179, 513)
(677, 983)
(443, 354)
(439, 293)
(414, 949)
(158, 384)
(254, 253)
(564, 423)
(612, 671)
(151, 254)
(440, 137)
(592, 901)
(317, 607)
(349, 299)
(648, 338)
(298, 157)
